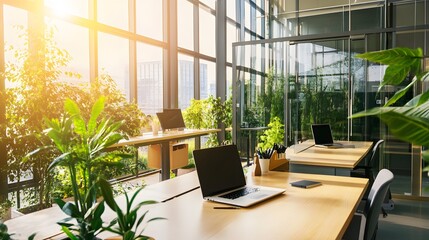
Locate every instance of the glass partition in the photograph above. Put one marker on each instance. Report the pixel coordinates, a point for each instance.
(310, 81)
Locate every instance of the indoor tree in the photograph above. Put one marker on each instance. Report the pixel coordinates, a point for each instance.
(37, 91)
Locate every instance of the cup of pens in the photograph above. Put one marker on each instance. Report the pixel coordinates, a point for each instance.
(264, 158)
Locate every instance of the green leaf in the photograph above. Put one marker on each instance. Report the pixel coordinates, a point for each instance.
(401, 61)
(400, 93)
(396, 56)
(69, 233)
(107, 193)
(97, 108)
(59, 202)
(408, 124)
(60, 160)
(395, 74)
(71, 210)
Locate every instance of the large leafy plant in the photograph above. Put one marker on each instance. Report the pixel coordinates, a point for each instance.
(209, 113)
(81, 144)
(127, 223)
(37, 92)
(409, 122)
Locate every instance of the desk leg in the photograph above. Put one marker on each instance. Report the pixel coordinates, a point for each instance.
(165, 158)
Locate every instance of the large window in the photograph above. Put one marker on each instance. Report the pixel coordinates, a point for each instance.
(149, 18)
(78, 48)
(72, 7)
(207, 33)
(149, 78)
(185, 23)
(14, 19)
(113, 59)
(113, 13)
(186, 80)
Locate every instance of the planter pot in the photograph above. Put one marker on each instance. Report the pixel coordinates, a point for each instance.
(265, 165)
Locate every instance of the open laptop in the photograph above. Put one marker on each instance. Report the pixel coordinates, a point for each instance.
(322, 135)
(222, 178)
(171, 119)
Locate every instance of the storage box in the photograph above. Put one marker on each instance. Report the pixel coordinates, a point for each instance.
(178, 156)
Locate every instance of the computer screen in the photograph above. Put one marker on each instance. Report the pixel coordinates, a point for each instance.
(171, 119)
(322, 134)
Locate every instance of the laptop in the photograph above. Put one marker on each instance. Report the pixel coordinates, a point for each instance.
(222, 180)
(171, 119)
(322, 135)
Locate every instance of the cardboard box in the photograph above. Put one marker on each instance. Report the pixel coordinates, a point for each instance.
(178, 155)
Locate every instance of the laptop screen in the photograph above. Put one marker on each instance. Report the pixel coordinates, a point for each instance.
(322, 134)
(219, 169)
(171, 119)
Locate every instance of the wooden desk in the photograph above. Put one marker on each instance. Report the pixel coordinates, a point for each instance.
(164, 139)
(44, 222)
(305, 157)
(322, 212)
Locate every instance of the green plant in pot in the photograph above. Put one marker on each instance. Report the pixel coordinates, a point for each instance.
(82, 147)
(127, 222)
(409, 122)
(270, 137)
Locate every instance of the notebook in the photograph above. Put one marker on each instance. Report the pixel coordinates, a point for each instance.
(222, 180)
(323, 136)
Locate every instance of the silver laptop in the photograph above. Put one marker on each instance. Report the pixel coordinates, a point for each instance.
(322, 135)
(222, 179)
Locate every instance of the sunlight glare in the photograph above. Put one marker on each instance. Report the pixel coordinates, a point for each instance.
(60, 7)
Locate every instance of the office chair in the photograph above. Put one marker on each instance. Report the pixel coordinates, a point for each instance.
(367, 169)
(365, 220)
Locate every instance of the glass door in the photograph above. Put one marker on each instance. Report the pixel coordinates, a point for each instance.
(319, 87)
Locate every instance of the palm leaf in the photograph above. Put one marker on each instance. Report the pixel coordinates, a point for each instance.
(401, 61)
(400, 93)
(106, 191)
(396, 56)
(407, 123)
(73, 110)
(96, 110)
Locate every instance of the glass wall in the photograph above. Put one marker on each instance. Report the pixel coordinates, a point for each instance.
(325, 82)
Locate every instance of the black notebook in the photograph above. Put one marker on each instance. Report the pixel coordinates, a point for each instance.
(305, 184)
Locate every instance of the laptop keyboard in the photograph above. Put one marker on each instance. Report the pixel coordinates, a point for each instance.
(240, 193)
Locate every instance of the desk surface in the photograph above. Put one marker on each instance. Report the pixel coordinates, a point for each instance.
(44, 222)
(307, 154)
(149, 138)
(323, 212)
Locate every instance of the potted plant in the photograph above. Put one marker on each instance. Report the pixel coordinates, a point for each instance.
(269, 142)
(82, 150)
(409, 122)
(127, 222)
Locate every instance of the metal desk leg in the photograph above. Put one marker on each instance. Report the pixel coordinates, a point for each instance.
(165, 165)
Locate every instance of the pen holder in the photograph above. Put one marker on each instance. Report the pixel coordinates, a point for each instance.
(265, 165)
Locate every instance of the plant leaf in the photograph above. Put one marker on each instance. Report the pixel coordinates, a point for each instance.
(407, 123)
(97, 108)
(400, 93)
(107, 193)
(396, 56)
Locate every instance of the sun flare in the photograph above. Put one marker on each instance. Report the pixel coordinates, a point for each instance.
(60, 7)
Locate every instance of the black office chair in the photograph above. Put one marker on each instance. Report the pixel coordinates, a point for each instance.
(367, 169)
(364, 224)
